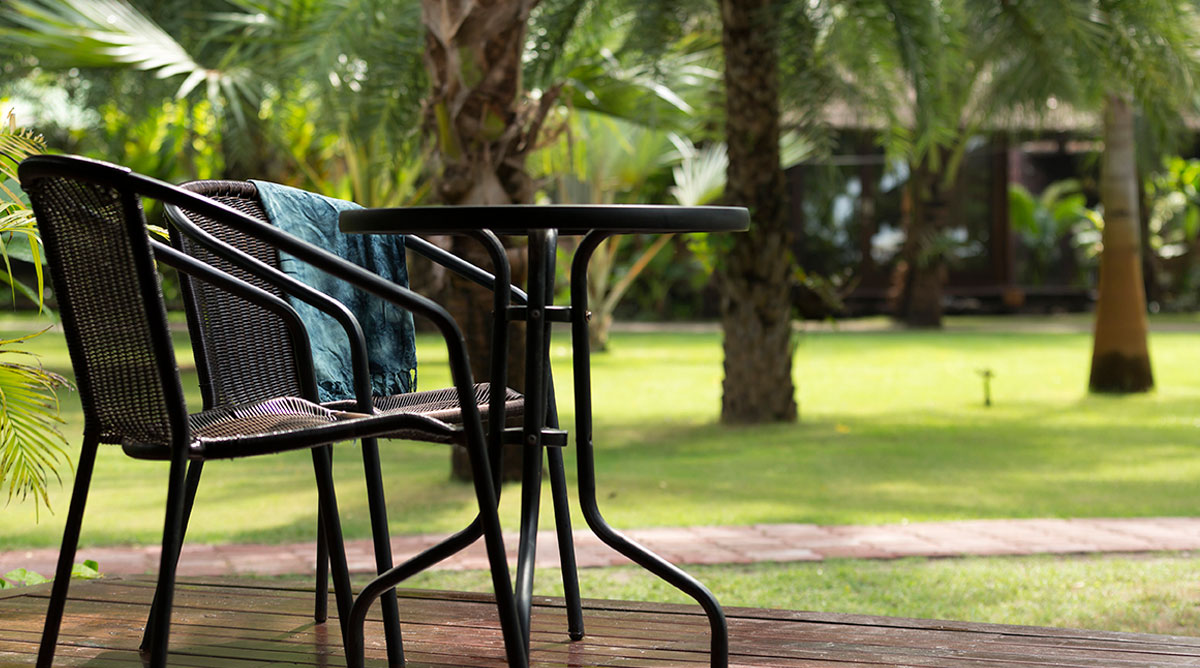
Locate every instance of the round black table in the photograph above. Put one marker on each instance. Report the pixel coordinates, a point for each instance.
(542, 224)
(565, 218)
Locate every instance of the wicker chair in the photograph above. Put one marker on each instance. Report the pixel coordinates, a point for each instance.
(105, 281)
(224, 328)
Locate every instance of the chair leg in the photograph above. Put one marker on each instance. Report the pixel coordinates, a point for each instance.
(487, 524)
(172, 543)
(194, 470)
(397, 574)
(510, 622)
(383, 549)
(566, 544)
(321, 586)
(66, 554)
(343, 596)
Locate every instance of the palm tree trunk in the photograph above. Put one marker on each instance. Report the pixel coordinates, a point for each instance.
(756, 269)
(484, 126)
(922, 272)
(1120, 356)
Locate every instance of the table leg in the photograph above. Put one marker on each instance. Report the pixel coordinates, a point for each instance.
(719, 642)
(531, 488)
(542, 248)
(562, 527)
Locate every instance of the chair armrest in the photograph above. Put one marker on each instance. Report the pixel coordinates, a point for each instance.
(454, 263)
(291, 320)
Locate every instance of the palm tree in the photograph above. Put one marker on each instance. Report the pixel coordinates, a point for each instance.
(490, 97)
(756, 267)
(1128, 59)
(937, 75)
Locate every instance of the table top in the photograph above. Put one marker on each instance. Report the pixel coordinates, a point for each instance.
(566, 218)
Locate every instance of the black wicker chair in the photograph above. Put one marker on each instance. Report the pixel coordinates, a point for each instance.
(225, 327)
(104, 278)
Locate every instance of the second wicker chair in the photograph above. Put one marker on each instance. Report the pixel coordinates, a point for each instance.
(242, 352)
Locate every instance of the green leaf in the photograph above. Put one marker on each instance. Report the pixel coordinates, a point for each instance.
(1191, 223)
(1021, 210)
(31, 446)
(19, 249)
(700, 178)
(22, 577)
(13, 186)
(88, 570)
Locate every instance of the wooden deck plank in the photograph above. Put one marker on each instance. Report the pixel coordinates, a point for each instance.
(227, 622)
(846, 648)
(987, 645)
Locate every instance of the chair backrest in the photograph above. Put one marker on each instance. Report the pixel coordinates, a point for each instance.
(104, 278)
(243, 351)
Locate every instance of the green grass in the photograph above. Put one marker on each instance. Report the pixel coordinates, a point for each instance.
(892, 428)
(1150, 594)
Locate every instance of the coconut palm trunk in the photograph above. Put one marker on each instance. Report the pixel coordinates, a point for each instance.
(484, 126)
(922, 274)
(756, 268)
(1120, 355)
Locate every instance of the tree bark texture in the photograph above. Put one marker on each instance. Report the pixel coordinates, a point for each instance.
(755, 268)
(921, 272)
(484, 126)
(1120, 355)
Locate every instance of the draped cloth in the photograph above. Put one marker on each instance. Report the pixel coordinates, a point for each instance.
(391, 346)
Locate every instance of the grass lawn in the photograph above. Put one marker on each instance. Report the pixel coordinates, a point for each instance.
(892, 428)
(1149, 594)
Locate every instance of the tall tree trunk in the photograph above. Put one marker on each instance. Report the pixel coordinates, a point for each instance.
(1120, 356)
(756, 268)
(484, 127)
(921, 273)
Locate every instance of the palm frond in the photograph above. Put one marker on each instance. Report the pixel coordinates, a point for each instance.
(552, 24)
(31, 447)
(700, 177)
(16, 219)
(114, 34)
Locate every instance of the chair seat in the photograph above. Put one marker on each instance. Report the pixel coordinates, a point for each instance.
(441, 405)
(270, 416)
(259, 426)
(287, 423)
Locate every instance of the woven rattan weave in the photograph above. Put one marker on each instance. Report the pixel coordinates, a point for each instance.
(115, 365)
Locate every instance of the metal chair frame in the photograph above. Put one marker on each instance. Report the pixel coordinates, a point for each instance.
(180, 446)
(193, 234)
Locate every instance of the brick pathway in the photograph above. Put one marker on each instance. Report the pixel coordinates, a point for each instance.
(692, 545)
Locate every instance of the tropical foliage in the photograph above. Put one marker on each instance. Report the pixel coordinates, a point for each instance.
(31, 447)
(402, 102)
(1057, 230)
(1173, 226)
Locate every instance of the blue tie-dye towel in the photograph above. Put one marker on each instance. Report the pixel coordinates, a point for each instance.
(390, 342)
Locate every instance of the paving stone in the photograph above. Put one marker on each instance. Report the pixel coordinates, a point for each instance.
(686, 545)
(782, 555)
(848, 551)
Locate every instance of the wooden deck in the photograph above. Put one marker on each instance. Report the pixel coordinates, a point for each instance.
(231, 623)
